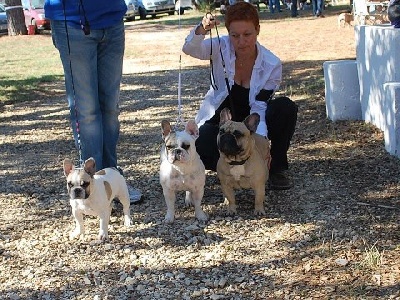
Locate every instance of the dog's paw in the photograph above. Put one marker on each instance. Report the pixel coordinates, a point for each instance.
(169, 218)
(231, 210)
(74, 234)
(259, 211)
(103, 236)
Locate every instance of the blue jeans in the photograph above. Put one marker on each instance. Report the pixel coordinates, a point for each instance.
(293, 9)
(317, 7)
(93, 71)
(271, 5)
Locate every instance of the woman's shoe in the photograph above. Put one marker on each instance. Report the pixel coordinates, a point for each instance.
(279, 181)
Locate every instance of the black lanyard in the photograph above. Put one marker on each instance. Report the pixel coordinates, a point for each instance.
(212, 77)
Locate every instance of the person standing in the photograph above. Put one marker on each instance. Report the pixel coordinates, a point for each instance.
(394, 13)
(90, 38)
(293, 9)
(318, 6)
(253, 74)
(274, 4)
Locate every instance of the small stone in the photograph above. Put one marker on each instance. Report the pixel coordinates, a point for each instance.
(239, 279)
(86, 280)
(342, 261)
(196, 293)
(129, 280)
(222, 282)
(191, 227)
(216, 297)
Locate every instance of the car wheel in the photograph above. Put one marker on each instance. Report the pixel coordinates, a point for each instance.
(142, 13)
(171, 13)
(181, 11)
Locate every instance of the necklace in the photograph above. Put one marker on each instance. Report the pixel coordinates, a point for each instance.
(245, 61)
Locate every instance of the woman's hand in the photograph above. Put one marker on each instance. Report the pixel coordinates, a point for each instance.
(207, 23)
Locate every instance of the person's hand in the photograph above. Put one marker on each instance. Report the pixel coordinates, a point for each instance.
(268, 160)
(209, 22)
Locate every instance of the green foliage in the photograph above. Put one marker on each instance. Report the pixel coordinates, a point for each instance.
(206, 6)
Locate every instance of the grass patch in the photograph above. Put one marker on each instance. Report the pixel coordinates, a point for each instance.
(28, 63)
(373, 258)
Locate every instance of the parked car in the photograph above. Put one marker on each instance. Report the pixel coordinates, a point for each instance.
(34, 14)
(154, 7)
(132, 11)
(3, 20)
(182, 5)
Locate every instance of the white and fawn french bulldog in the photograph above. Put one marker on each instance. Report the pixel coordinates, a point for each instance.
(92, 193)
(181, 169)
(244, 159)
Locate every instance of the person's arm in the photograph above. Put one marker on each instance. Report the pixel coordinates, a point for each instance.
(195, 43)
(269, 78)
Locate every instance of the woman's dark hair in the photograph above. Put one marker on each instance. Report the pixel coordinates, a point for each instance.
(394, 13)
(241, 11)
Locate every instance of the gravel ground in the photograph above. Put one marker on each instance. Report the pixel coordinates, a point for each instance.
(335, 235)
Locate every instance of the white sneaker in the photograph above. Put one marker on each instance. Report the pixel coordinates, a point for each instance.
(135, 196)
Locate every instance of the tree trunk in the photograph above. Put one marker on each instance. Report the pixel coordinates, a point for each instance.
(15, 18)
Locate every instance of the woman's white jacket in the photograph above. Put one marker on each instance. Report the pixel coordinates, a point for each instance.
(267, 74)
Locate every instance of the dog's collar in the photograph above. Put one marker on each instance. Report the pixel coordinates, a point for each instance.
(238, 163)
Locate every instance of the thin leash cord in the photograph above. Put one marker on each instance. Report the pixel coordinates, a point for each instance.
(179, 119)
(223, 65)
(78, 136)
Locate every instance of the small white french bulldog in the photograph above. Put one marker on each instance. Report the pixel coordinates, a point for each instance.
(181, 169)
(92, 193)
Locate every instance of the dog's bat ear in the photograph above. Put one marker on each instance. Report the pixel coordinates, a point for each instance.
(165, 128)
(252, 122)
(68, 166)
(224, 116)
(90, 166)
(192, 128)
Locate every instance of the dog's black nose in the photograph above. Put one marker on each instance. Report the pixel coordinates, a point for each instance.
(228, 144)
(78, 193)
(178, 154)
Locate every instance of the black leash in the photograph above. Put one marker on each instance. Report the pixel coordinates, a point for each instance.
(86, 30)
(212, 77)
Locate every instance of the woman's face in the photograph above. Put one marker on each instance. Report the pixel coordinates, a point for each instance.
(243, 35)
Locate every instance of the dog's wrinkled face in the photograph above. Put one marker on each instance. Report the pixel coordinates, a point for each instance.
(79, 180)
(179, 145)
(234, 137)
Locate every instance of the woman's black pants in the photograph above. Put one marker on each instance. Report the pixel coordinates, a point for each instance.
(281, 118)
